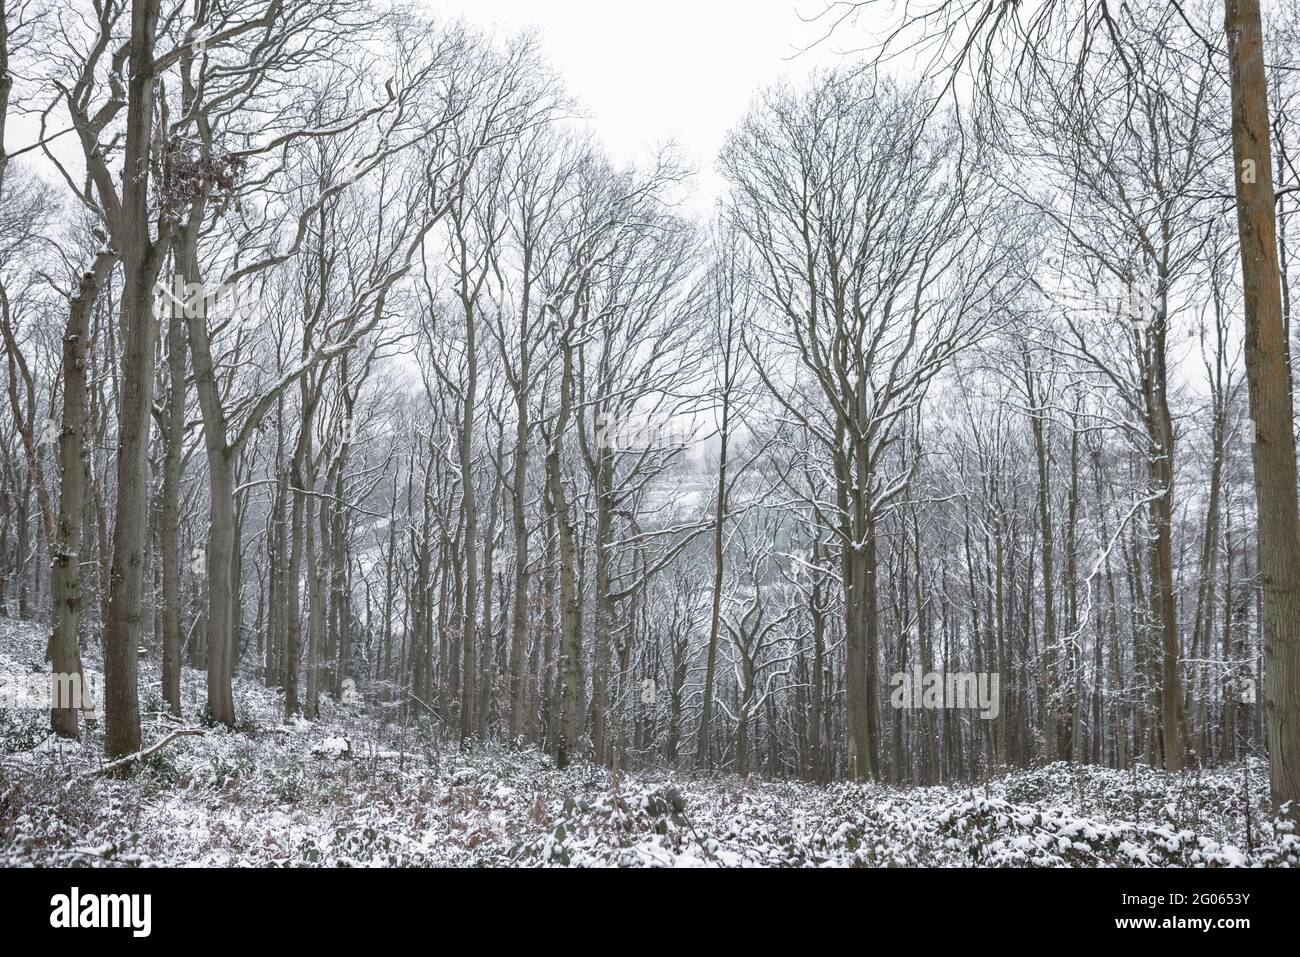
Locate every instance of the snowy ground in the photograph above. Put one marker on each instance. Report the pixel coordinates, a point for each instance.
(336, 793)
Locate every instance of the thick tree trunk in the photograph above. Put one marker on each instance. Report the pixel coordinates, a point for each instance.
(292, 590)
(140, 262)
(220, 608)
(602, 489)
(857, 560)
(220, 560)
(65, 586)
(276, 557)
(469, 516)
(486, 654)
(340, 592)
(550, 668)
(519, 520)
(315, 611)
(1268, 374)
(817, 611)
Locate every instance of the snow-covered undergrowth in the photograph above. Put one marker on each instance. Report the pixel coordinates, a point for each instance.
(337, 792)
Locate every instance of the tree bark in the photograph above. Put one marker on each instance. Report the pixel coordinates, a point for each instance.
(140, 262)
(65, 586)
(1268, 374)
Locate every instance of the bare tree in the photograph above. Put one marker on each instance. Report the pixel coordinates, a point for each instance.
(878, 266)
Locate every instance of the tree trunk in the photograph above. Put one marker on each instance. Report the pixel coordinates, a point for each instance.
(570, 652)
(715, 608)
(1268, 374)
(170, 526)
(65, 586)
(219, 564)
(140, 262)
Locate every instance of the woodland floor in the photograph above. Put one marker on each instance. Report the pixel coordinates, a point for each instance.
(337, 792)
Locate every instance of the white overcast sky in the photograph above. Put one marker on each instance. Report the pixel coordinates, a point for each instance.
(646, 72)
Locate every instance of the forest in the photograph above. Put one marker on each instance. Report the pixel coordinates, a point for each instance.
(389, 474)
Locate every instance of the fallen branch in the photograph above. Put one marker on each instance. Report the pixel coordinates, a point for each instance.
(140, 755)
